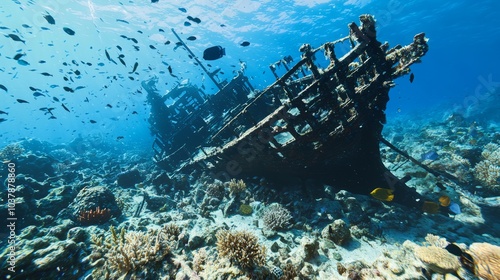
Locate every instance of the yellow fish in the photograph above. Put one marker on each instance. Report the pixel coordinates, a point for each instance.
(444, 201)
(382, 194)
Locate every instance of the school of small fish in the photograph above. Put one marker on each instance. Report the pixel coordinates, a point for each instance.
(68, 79)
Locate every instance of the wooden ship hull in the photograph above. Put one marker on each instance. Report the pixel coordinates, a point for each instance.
(319, 123)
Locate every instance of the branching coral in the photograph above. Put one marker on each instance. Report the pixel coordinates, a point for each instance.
(487, 171)
(128, 253)
(215, 190)
(289, 272)
(276, 217)
(199, 259)
(241, 247)
(435, 240)
(236, 187)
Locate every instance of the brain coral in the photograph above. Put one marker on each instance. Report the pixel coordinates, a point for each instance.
(437, 259)
(276, 217)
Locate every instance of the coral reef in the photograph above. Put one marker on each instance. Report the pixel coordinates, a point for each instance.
(236, 186)
(487, 171)
(276, 217)
(199, 259)
(241, 248)
(437, 259)
(487, 260)
(129, 254)
(189, 227)
(435, 240)
(97, 216)
(91, 198)
(40, 166)
(11, 152)
(289, 272)
(338, 232)
(215, 190)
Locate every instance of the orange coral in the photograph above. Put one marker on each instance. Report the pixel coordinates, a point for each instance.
(97, 216)
(437, 259)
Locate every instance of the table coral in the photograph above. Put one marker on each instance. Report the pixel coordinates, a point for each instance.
(437, 259)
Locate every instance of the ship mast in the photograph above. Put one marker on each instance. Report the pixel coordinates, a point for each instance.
(197, 60)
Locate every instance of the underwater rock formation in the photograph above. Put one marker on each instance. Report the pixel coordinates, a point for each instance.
(91, 198)
(128, 178)
(338, 232)
(39, 167)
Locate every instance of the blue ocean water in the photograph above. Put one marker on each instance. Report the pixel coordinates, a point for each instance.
(458, 71)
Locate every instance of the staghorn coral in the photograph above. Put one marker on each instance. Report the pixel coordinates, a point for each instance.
(435, 240)
(128, 254)
(241, 247)
(92, 217)
(437, 259)
(487, 171)
(199, 259)
(276, 217)
(236, 187)
(487, 260)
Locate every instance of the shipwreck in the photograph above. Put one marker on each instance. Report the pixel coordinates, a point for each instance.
(312, 122)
